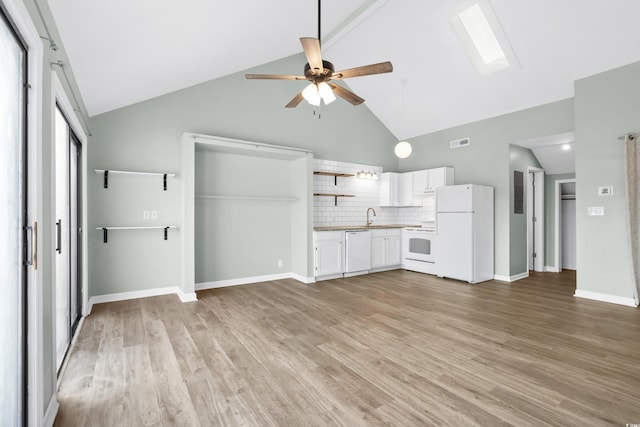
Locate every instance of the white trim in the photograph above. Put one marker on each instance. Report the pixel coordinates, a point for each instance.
(52, 410)
(558, 229)
(241, 281)
(613, 299)
(511, 278)
(18, 13)
(551, 269)
(539, 238)
(190, 297)
(61, 100)
(302, 279)
(123, 296)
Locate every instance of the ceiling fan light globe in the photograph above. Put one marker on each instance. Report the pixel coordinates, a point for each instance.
(326, 93)
(403, 149)
(311, 95)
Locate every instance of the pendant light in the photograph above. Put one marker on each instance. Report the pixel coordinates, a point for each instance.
(403, 148)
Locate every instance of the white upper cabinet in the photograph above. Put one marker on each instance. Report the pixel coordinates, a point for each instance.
(390, 189)
(406, 189)
(426, 181)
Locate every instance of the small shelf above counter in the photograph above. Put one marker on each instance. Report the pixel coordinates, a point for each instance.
(335, 196)
(335, 175)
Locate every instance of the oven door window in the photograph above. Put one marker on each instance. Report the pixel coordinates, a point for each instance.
(420, 246)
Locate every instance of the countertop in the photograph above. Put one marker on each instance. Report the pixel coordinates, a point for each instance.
(364, 227)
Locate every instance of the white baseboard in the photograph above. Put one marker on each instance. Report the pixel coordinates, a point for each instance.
(551, 269)
(52, 411)
(511, 278)
(613, 299)
(190, 297)
(123, 296)
(242, 281)
(303, 279)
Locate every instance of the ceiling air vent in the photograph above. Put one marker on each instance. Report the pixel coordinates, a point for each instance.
(457, 143)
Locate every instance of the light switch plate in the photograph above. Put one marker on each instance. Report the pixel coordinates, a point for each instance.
(595, 211)
(154, 214)
(605, 191)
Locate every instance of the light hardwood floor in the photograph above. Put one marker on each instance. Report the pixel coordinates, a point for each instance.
(394, 348)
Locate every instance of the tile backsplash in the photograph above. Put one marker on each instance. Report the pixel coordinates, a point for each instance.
(353, 210)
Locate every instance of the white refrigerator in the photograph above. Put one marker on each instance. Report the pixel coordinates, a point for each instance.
(464, 224)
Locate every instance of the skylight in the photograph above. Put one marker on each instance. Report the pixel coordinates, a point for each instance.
(479, 32)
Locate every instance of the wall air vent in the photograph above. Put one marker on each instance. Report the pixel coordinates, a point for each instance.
(457, 143)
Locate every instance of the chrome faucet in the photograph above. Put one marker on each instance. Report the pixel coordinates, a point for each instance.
(370, 221)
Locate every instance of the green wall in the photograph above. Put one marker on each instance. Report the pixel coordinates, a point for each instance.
(607, 106)
(520, 159)
(550, 217)
(238, 238)
(487, 160)
(145, 137)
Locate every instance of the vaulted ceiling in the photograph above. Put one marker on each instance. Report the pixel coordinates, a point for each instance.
(124, 51)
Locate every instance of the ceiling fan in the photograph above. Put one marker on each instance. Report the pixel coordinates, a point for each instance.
(320, 73)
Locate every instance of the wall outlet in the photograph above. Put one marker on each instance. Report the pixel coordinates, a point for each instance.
(154, 214)
(595, 211)
(280, 263)
(146, 214)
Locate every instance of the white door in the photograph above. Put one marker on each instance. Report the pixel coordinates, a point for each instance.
(454, 256)
(394, 250)
(378, 252)
(14, 247)
(329, 257)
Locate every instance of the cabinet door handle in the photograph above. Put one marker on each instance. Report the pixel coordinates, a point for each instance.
(59, 236)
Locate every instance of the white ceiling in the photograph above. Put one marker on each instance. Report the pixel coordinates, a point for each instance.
(552, 153)
(122, 51)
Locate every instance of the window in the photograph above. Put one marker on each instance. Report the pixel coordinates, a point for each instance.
(482, 38)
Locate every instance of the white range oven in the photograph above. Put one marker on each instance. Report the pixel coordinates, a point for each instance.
(418, 249)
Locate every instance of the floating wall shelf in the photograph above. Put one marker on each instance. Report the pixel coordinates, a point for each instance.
(335, 196)
(335, 175)
(153, 227)
(107, 172)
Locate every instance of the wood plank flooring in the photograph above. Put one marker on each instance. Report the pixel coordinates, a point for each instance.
(394, 348)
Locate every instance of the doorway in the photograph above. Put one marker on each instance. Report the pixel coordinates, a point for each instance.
(68, 237)
(565, 217)
(535, 219)
(16, 244)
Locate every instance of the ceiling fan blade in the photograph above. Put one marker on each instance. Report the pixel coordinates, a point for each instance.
(346, 94)
(274, 77)
(311, 48)
(365, 70)
(295, 101)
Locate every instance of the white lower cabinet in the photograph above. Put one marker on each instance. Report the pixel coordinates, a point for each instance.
(329, 254)
(386, 248)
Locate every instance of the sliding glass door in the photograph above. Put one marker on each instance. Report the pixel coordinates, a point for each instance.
(68, 234)
(13, 231)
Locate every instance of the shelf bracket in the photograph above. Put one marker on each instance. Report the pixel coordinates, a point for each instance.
(104, 234)
(335, 180)
(335, 200)
(164, 179)
(106, 179)
(166, 231)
